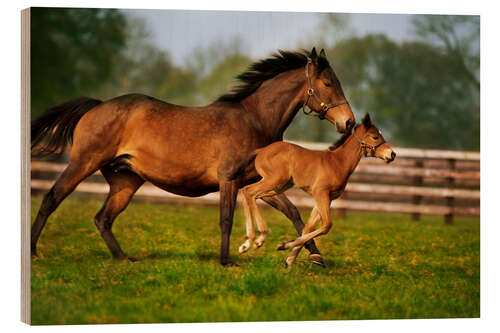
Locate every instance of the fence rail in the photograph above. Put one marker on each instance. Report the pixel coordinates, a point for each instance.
(431, 182)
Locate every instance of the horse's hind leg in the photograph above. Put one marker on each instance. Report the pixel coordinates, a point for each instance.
(123, 185)
(64, 185)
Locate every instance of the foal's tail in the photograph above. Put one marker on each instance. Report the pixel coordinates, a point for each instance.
(242, 165)
(57, 124)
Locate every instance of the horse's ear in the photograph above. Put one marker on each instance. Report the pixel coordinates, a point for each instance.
(314, 55)
(322, 53)
(367, 122)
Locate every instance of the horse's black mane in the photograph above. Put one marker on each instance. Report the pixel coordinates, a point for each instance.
(266, 69)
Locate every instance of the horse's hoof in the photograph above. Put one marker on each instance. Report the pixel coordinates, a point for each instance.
(124, 257)
(317, 259)
(243, 248)
(258, 244)
(282, 246)
(229, 263)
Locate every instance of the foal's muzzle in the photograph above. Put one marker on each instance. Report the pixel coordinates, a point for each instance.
(390, 159)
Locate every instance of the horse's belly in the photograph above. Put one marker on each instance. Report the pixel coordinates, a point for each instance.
(177, 177)
(188, 191)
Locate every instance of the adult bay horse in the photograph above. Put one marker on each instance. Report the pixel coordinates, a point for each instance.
(188, 151)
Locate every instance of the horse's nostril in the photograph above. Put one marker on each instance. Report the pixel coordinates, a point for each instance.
(393, 155)
(348, 124)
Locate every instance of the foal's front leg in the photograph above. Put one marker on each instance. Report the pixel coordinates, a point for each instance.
(323, 203)
(312, 222)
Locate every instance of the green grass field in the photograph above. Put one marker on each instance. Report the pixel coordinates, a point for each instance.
(379, 266)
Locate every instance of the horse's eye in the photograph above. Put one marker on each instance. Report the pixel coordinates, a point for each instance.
(375, 137)
(327, 84)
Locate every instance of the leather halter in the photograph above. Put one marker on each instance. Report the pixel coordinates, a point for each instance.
(310, 92)
(365, 146)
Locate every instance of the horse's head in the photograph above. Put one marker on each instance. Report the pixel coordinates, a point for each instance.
(372, 142)
(324, 93)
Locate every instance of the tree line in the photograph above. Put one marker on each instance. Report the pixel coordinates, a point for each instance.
(423, 92)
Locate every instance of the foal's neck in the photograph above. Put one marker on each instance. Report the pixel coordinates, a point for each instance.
(348, 154)
(276, 102)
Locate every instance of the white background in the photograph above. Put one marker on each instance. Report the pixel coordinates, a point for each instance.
(490, 143)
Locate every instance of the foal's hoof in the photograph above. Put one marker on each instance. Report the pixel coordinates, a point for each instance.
(243, 248)
(289, 262)
(258, 244)
(132, 259)
(282, 246)
(317, 259)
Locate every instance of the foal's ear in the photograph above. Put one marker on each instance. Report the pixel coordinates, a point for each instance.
(367, 122)
(322, 53)
(314, 55)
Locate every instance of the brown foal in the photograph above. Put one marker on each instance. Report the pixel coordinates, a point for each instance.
(322, 174)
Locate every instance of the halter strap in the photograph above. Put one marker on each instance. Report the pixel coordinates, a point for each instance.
(364, 145)
(310, 92)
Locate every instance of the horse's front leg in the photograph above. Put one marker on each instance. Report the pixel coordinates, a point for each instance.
(228, 192)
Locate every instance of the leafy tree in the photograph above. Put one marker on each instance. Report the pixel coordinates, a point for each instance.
(222, 76)
(423, 93)
(73, 52)
(415, 91)
(458, 36)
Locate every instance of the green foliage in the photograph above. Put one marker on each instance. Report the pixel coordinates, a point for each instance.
(379, 266)
(415, 91)
(458, 35)
(222, 76)
(73, 52)
(422, 93)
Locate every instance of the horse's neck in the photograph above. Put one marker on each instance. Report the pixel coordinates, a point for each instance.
(276, 102)
(348, 155)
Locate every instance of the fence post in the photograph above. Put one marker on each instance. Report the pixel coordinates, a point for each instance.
(450, 183)
(417, 181)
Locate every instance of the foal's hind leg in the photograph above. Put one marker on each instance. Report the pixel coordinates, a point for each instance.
(123, 185)
(251, 193)
(64, 185)
(250, 230)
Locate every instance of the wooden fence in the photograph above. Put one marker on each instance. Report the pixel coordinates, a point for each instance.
(419, 181)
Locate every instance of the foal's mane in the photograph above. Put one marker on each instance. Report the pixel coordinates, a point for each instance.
(266, 69)
(341, 140)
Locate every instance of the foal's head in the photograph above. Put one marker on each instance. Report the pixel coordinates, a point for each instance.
(372, 142)
(325, 94)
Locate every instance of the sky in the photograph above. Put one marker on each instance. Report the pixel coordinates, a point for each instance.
(180, 32)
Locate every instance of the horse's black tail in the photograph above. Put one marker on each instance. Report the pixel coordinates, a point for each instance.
(233, 174)
(57, 124)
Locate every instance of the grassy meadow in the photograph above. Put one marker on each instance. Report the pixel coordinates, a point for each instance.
(379, 267)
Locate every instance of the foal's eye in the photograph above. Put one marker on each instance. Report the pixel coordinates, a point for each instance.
(327, 84)
(375, 137)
